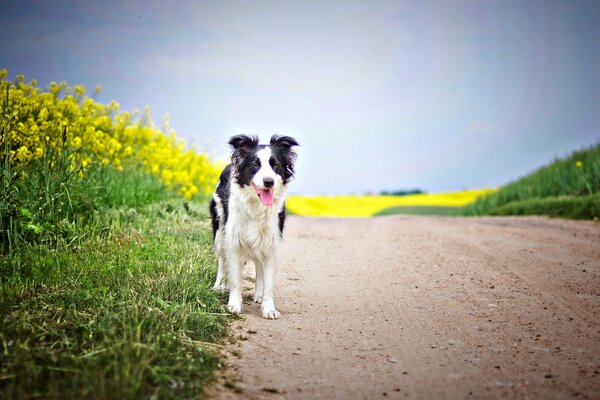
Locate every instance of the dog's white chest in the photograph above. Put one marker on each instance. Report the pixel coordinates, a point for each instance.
(255, 235)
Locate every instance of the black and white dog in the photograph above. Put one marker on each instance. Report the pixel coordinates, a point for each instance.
(248, 214)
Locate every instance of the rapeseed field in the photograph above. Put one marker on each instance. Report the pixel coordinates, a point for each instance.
(366, 206)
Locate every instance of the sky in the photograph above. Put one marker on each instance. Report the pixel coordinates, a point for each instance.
(436, 95)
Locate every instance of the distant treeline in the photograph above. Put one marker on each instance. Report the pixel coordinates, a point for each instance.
(402, 192)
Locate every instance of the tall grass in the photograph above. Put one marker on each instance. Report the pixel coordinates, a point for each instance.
(549, 190)
(128, 315)
(49, 199)
(8, 196)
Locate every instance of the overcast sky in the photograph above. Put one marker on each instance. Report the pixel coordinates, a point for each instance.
(438, 95)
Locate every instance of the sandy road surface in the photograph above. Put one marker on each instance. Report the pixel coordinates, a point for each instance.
(427, 307)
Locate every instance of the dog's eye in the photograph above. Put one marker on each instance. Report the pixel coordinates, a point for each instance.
(256, 163)
(275, 163)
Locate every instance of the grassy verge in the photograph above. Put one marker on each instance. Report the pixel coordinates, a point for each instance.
(567, 188)
(127, 313)
(574, 207)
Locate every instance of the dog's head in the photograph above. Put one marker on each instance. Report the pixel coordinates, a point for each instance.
(266, 169)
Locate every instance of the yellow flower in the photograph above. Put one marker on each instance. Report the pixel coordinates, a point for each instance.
(23, 154)
(579, 164)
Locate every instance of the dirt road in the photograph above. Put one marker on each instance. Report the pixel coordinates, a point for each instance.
(427, 307)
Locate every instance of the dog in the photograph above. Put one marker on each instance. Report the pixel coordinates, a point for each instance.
(248, 216)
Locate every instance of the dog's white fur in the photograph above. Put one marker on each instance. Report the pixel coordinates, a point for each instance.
(251, 234)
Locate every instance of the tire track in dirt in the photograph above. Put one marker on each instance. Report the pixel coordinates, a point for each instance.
(426, 307)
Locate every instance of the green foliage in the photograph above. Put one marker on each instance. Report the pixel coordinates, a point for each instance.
(565, 188)
(112, 188)
(49, 202)
(127, 315)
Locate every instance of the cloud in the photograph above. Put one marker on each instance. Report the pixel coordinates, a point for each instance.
(318, 51)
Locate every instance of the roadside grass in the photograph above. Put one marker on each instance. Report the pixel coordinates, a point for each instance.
(126, 313)
(574, 207)
(366, 206)
(567, 187)
(105, 278)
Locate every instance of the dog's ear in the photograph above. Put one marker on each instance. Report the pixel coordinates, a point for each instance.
(243, 142)
(282, 145)
(283, 142)
(242, 145)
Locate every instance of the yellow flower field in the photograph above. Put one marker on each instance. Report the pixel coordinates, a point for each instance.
(366, 206)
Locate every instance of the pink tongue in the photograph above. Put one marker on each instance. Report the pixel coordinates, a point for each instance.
(266, 196)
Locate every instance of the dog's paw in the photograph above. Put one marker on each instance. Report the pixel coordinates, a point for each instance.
(221, 287)
(270, 313)
(235, 308)
(258, 297)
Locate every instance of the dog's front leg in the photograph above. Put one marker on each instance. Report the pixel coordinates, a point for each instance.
(258, 282)
(221, 272)
(219, 282)
(268, 298)
(235, 265)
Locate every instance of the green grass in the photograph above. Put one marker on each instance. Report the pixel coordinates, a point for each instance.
(48, 200)
(128, 313)
(112, 188)
(420, 210)
(567, 188)
(105, 279)
(575, 207)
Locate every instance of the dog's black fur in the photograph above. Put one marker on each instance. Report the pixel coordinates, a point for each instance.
(245, 164)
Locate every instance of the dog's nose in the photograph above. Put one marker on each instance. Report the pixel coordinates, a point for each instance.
(269, 182)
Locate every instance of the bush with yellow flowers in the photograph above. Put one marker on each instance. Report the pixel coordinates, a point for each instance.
(99, 134)
(63, 155)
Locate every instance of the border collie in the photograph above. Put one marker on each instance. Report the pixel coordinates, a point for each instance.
(248, 214)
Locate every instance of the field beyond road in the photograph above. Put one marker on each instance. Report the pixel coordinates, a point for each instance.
(367, 206)
(426, 307)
